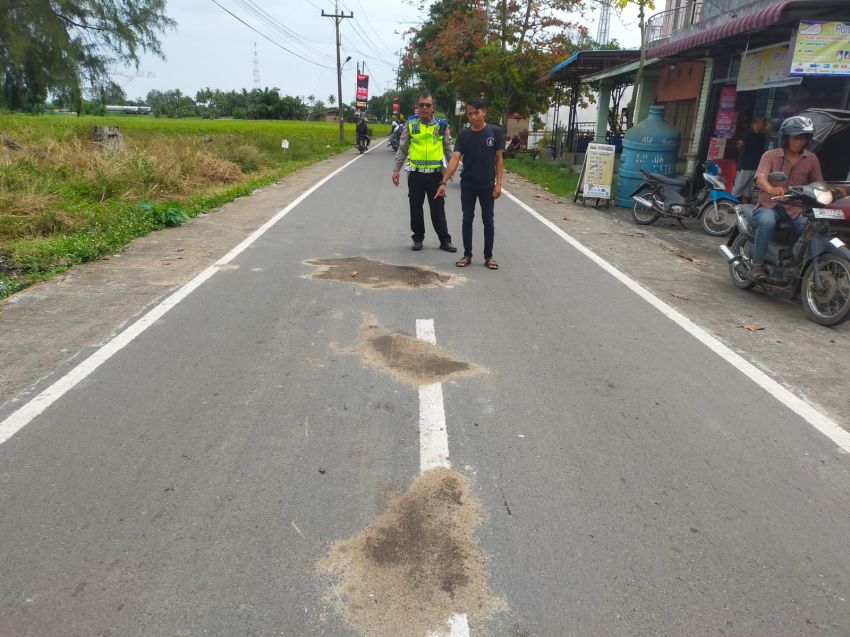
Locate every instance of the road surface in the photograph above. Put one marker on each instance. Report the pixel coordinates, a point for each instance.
(308, 440)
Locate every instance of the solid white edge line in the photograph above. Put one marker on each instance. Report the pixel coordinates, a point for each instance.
(434, 447)
(32, 408)
(815, 418)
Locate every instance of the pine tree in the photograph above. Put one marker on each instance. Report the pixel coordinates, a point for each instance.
(63, 46)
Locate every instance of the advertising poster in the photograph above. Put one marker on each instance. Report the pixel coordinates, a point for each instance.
(598, 171)
(362, 95)
(727, 98)
(716, 148)
(724, 123)
(821, 48)
(765, 68)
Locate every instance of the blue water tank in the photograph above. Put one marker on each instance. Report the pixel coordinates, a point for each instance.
(651, 145)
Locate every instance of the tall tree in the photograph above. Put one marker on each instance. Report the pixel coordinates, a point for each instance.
(642, 5)
(64, 46)
(471, 47)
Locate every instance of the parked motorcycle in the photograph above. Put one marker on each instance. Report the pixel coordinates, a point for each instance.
(662, 196)
(815, 266)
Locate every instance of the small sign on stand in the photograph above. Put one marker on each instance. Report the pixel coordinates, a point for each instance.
(284, 144)
(597, 174)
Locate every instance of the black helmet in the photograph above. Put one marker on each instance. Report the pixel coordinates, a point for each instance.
(794, 126)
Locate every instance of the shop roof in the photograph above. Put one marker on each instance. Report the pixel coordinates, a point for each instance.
(584, 63)
(784, 13)
(625, 73)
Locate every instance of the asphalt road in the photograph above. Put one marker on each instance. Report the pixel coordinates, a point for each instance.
(632, 481)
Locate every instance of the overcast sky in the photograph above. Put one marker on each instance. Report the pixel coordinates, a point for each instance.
(212, 48)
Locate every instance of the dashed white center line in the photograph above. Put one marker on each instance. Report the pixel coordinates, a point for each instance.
(434, 447)
(433, 438)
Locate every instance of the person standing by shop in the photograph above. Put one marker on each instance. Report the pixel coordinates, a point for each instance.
(750, 150)
(480, 147)
(425, 143)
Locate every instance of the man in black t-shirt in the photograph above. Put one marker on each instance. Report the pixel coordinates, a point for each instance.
(750, 150)
(480, 148)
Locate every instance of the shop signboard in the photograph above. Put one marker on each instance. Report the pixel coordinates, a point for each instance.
(765, 68)
(821, 48)
(598, 172)
(362, 95)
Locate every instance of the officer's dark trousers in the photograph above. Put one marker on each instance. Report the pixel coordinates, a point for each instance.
(420, 185)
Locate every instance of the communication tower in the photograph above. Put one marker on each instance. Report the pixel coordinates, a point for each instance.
(256, 68)
(602, 35)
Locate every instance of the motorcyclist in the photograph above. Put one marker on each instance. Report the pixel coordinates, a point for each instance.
(363, 131)
(801, 167)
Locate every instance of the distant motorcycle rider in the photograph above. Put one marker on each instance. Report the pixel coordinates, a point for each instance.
(363, 131)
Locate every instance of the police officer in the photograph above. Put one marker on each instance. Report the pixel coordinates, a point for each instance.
(425, 144)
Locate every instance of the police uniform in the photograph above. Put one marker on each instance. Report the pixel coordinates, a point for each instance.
(422, 149)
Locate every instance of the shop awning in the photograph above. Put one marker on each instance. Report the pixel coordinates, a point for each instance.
(784, 12)
(585, 63)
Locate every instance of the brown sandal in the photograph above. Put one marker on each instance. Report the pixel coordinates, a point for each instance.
(463, 262)
(491, 264)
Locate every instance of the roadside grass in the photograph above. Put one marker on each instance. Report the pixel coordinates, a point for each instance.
(556, 177)
(63, 201)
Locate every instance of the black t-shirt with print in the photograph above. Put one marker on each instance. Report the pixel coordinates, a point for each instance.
(479, 155)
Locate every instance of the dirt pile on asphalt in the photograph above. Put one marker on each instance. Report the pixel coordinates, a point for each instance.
(417, 565)
(406, 357)
(377, 274)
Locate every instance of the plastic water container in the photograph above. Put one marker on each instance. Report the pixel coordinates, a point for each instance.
(651, 145)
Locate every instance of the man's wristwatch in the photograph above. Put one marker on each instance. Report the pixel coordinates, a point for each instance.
(442, 183)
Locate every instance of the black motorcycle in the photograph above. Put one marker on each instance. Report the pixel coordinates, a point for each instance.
(815, 266)
(679, 198)
(363, 142)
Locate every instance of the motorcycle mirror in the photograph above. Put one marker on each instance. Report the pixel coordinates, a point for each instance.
(777, 176)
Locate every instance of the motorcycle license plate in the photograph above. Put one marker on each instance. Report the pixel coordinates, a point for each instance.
(826, 213)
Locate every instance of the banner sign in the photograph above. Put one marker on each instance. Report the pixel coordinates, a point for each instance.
(765, 68)
(362, 95)
(821, 48)
(724, 123)
(598, 171)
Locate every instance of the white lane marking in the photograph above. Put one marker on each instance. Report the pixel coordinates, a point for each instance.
(816, 419)
(433, 437)
(458, 627)
(24, 414)
(434, 447)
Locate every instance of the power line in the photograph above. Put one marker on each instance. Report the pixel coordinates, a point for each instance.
(277, 44)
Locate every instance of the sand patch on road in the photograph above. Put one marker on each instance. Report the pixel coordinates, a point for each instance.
(406, 357)
(377, 274)
(417, 565)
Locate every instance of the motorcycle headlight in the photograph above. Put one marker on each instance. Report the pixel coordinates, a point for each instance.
(823, 195)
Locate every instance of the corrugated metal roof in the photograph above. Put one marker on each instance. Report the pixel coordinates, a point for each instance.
(586, 62)
(754, 21)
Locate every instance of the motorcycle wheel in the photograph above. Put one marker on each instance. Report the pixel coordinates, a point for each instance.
(718, 218)
(832, 305)
(738, 272)
(641, 214)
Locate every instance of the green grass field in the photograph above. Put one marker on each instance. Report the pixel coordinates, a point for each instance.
(64, 201)
(557, 177)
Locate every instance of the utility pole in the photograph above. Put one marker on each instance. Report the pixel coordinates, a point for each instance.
(338, 17)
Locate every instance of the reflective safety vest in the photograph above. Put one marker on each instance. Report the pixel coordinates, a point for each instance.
(426, 144)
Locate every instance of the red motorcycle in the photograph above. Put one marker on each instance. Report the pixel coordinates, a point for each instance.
(815, 267)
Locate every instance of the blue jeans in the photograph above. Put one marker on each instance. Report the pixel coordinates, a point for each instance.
(468, 196)
(765, 220)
